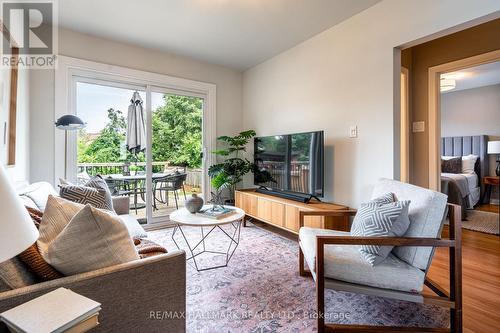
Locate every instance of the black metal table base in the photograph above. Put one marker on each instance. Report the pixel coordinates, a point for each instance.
(234, 240)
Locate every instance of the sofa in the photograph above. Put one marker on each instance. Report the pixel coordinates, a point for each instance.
(147, 295)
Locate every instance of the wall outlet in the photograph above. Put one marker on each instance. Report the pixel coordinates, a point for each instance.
(353, 132)
(418, 126)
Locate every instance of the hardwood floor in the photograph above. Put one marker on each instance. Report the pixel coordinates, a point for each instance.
(489, 208)
(481, 276)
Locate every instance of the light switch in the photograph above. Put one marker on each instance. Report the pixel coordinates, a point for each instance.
(418, 126)
(353, 132)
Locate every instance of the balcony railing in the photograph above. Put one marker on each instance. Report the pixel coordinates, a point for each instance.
(194, 175)
(299, 175)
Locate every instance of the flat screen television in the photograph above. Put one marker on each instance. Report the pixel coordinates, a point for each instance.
(291, 163)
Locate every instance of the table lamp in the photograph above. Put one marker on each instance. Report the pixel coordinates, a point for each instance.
(17, 230)
(67, 123)
(494, 148)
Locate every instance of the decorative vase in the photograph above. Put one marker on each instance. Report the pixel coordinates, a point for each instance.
(194, 203)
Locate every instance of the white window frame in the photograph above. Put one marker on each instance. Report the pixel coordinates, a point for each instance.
(70, 70)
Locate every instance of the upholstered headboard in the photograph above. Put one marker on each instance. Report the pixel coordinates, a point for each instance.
(466, 145)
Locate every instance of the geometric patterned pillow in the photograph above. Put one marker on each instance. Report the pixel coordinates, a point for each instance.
(94, 193)
(384, 199)
(99, 183)
(380, 220)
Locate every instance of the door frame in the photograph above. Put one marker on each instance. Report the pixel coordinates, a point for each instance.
(434, 113)
(70, 68)
(404, 175)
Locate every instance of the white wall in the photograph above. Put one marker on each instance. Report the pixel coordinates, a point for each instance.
(345, 76)
(73, 44)
(472, 112)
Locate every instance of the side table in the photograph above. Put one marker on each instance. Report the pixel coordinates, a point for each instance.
(184, 219)
(489, 182)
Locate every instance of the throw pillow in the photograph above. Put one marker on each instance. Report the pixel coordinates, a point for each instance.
(469, 163)
(95, 192)
(383, 199)
(99, 183)
(38, 193)
(146, 248)
(56, 216)
(452, 165)
(380, 220)
(93, 239)
(32, 257)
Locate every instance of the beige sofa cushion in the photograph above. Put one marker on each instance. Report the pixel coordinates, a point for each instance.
(57, 214)
(93, 239)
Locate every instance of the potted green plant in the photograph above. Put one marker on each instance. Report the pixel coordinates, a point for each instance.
(228, 173)
(219, 182)
(133, 170)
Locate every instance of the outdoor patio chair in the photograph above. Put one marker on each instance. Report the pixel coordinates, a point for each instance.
(335, 262)
(118, 188)
(166, 184)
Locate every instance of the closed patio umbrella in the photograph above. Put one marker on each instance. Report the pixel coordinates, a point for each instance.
(136, 127)
(136, 140)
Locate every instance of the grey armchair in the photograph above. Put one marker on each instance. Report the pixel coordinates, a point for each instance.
(334, 261)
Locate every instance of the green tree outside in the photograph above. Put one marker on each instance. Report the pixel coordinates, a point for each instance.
(177, 135)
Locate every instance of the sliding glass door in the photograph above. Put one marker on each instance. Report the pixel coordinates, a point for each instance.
(176, 149)
(145, 141)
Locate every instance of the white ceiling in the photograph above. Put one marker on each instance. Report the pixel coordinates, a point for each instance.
(475, 77)
(234, 33)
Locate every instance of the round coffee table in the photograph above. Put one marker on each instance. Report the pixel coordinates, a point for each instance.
(183, 218)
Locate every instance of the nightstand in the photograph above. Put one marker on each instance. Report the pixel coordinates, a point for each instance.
(489, 182)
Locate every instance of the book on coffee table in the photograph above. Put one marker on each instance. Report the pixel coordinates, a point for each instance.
(61, 310)
(216, 214)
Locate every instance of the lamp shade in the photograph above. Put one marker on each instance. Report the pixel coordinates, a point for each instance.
(493, 147)
(69, 122)
(17, 230)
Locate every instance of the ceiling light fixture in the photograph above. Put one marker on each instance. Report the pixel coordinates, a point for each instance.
(447, 84)
(456, 75)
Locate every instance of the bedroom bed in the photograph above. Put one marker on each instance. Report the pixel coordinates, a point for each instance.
(465, 188)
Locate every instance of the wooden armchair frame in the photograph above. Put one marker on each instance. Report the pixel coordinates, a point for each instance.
(451, 300)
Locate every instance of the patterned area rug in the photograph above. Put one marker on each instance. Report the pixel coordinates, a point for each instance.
(482, 221)
(261, 291)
